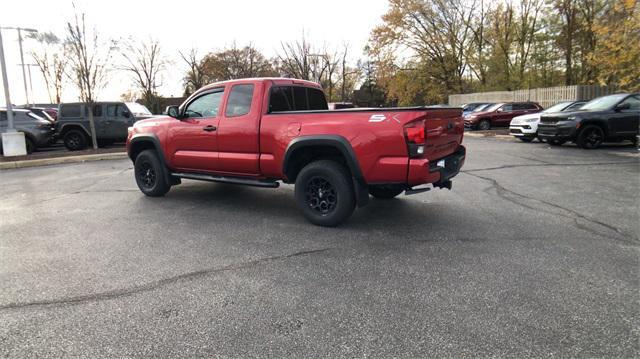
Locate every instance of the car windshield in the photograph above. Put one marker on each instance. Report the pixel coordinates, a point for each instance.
(138, 109)
(492, 107)
(482, 107)
(557, 107)
(603, 103)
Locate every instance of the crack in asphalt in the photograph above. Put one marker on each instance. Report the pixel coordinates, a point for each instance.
(125, 292)
(549, 165)
(520, 199)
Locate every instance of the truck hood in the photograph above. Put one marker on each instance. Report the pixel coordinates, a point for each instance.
(154, 121)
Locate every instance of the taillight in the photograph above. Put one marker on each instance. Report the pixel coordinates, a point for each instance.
(414, 134)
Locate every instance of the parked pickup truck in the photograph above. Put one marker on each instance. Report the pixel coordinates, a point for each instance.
(260, 131)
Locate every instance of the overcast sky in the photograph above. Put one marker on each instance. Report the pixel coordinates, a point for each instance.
(179, 25)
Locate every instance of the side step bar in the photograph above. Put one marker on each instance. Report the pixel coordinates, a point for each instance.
(232, 180)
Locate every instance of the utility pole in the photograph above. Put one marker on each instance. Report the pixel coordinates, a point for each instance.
(24, 73)
(29, 66)
(13, 143)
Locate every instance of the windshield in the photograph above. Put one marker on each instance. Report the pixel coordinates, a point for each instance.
(557, 107)
(603, 103)
(138, 109)
(491, 108)
(482, 107)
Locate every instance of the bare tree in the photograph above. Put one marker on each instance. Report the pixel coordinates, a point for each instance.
(145, 61)
(195, 76)
(299, 60)
(88, 64)
(51, 59)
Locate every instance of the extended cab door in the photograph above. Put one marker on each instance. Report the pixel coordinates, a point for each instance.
(238, 132)
(504, 115)
(192, 142)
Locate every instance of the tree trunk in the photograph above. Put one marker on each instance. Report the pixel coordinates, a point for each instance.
(92, 127)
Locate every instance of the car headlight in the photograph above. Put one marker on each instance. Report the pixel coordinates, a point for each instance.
(571, 118)
(529, 120)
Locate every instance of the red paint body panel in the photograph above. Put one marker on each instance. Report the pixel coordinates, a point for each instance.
(254, 145)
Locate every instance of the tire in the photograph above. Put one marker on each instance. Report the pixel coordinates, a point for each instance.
(324, 193)
(484, 125)
(150, 174)
(556, 142)
(75, 140)
(526, 139)
(30, 145)
(385, 192)
(590, 137)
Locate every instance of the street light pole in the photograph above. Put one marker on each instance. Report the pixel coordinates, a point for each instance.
(24, 75)
(5, 82)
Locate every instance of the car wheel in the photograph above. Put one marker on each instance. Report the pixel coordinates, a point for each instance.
(75, 140)
(30, 145)
(484, 125)
(590, 137)
(150, 174)
(324, 193)
(556, 142)
(385, 192)
(526, 139)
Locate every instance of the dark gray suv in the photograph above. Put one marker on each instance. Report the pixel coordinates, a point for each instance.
(38, 132)
(111, 120)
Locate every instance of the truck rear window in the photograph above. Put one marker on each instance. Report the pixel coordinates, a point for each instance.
(296, 98)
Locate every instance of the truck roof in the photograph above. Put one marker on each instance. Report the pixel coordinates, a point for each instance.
(276, 80)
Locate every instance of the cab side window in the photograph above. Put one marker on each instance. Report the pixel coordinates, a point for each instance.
(507, 108)
(239, 102)
(296, 98)
(206, 105)
(116, 111)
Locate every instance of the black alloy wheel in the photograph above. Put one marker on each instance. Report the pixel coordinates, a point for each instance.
(321, 195)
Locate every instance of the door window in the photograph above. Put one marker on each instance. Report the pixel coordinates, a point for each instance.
(239, 102)
(507, 108)
(296, 98)
(115, 110)
(633, 101)
(70, 111)
(206, 105)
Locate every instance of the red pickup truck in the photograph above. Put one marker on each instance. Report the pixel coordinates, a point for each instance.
(260, 131)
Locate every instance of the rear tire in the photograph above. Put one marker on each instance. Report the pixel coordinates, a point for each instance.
(75, 140)
(384, 192)
(324, 193)
(590, 137)
(150, 174)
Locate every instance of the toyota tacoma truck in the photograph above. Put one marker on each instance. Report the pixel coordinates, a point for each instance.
(259, 132)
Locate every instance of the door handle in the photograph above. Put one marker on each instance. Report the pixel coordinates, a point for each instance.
(210, 128)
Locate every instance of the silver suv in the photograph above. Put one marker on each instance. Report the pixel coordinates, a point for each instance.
(38, 132)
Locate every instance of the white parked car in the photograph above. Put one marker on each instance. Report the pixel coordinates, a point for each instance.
(525, 127)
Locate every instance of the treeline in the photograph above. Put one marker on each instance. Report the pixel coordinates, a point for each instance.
(421, 52)
(427, 49)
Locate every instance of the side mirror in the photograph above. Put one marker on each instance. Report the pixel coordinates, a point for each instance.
(126, 114)
(172, 111)
(623, 106)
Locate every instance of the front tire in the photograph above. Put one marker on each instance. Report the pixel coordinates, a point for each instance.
(75, 140)
(590, 137)
(30, 145)
(150, 174)
(384, 192)
(324, 193)
(484, 125)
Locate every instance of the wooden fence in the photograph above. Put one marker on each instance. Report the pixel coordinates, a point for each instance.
(544, 96)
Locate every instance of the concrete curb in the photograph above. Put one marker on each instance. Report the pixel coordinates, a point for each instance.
(62, 160)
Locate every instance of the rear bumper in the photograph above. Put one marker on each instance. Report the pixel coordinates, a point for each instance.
(422, 171)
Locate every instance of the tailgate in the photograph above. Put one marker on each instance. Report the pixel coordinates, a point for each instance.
(444, 130)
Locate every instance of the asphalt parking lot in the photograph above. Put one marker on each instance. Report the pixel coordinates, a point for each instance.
(534, 253)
